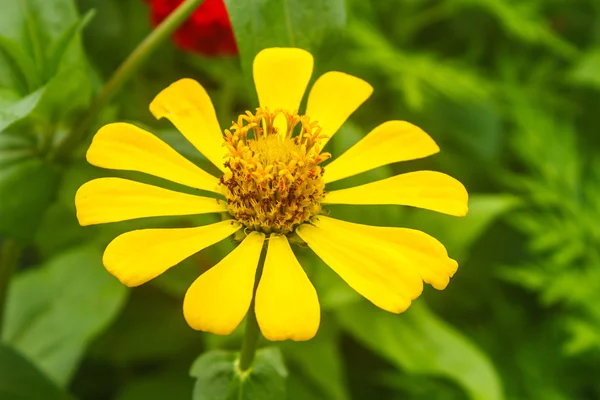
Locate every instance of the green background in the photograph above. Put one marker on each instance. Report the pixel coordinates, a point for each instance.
(509, 89)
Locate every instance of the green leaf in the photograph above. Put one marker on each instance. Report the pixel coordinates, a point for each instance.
(48, 34)
(19, 109)
(20, 380)
(458, 234)
(26, 190)
(416, 74)
(585, 71)
(282, 23)
(318, 364)
(127, 341)
(172, 385)
(522, 20)
(60, 46)
(23, 64)
(419, 342)
(218, 377)
(56, 310)
(13, 149)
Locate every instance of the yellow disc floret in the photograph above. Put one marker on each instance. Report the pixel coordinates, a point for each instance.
(274, 181)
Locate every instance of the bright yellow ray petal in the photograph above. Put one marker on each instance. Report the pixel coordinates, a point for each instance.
(126, 147)
(373, 268)
(139, 256)
(281, 76)
(424, 252)
(114, 199)
(287, 306)
(424, 189)
(390, 142)
(220, 298)
(187, 105)
(333, 98)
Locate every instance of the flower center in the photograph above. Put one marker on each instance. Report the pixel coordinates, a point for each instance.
(274, 181)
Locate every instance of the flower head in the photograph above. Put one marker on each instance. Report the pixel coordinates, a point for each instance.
(208, 30)
(272, 188)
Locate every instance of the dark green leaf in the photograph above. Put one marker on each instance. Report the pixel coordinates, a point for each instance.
(26, 190)
(282, 23)
(20, 380)
(420, 342)
(218, 377)
(54, 311)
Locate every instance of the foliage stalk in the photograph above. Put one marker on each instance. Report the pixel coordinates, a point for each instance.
(125, 71)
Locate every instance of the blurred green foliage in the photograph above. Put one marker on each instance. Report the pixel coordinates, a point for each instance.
(508, 88)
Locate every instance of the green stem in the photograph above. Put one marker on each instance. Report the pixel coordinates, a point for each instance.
(125, 71)
(252, 333)
(10, 252)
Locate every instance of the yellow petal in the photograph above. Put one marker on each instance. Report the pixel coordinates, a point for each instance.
(281, 76)
(139, 256)
(126, 147)
(390, 142)
(220, 298)
(373, 268)
(333, 98)
(287, 306)
(424, 189)
(187, 105)
(114, 199)
(425, 253)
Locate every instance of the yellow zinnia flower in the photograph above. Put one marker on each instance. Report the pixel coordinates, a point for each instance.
(274, 187)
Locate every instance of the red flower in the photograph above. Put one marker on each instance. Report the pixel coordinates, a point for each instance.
(207, 31)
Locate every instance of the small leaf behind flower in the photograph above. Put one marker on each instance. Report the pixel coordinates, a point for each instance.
(218, 377)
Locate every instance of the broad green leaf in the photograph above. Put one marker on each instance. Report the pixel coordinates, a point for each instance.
(20, 108)
(21, 380)
(218, 377)
(282, 23)
(56, 310)
(27, 189)
(420, 342)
